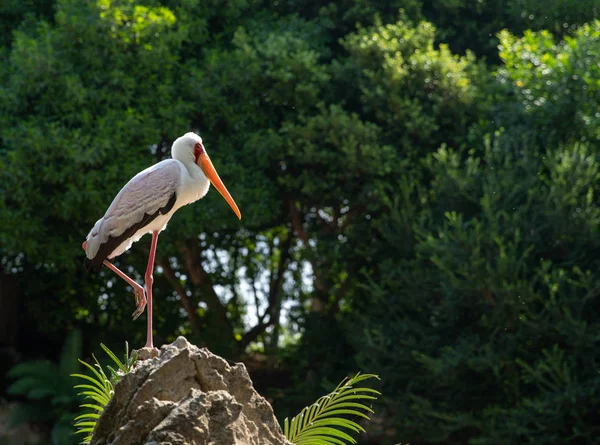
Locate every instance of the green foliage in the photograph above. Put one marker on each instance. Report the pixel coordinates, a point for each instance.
(474, 25)
(490, 315)
(408, 204)
(133, 23)
(323, 422)
(419, 94)
(50, 397)
(101, 389)
(553, 86)
(20, 13)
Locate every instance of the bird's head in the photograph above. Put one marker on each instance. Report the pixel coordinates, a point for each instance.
(189, 149)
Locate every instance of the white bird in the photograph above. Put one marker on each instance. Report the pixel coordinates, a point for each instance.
(146, 204)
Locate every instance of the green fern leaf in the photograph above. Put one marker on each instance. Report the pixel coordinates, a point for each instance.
(100, 391)
(317, 432)
(321, 423)
(356, 397)
(97, 384)
(41, 393)
(88, 431)
(328, 441)
(114, 374)
(24, 385)
(42, 369)
(114, 358)
(340, 422)
(94, 389)
(89, 424)
(94, 407)
(87, 416)
(100, 376)
(95, 397)
(349, 412)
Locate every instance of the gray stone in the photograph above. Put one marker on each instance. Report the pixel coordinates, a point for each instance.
(187, 396)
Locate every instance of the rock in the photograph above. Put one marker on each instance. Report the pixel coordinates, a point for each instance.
(190, 396)
(145, 353)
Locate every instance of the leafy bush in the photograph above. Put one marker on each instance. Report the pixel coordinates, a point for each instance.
(474, 25)
(51, 400)
(420, 95)
(487, 328)
(551, 88)
(388, 175)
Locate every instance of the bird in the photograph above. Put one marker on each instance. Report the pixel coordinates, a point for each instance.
(146, 204)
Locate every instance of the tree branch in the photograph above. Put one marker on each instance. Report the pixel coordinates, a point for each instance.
(256, 302)
(193, 317)
(199, 277)
(274, 299)
(277, 281)
(320, 295)
(253, 334)
(296, 222)
(275, 287)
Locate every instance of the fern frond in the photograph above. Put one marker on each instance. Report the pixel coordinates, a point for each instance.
(42, 393)
(94, 407)
(25, 385)
(87, 416)
(88, 439)
(41, 369)
(94, 389)
(100, 376)
(88, 424)
(114, 358)
(97, 383)
(95, 397)
(321, 423)
(100, 390)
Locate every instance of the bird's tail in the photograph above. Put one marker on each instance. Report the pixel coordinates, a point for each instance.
(87, 264)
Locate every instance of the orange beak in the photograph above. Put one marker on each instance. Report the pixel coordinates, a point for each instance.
(209, 170)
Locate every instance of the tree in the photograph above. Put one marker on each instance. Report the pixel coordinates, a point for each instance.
(382, 176)
(553, 85)
(481, 303)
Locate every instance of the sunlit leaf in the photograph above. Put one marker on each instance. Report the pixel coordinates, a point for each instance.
(320, 422)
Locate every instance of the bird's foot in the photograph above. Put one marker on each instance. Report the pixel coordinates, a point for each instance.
(140, 301)
(147, 352)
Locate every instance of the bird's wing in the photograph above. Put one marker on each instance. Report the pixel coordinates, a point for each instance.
(148, 194)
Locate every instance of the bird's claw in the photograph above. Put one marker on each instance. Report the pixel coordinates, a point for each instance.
(140, 301)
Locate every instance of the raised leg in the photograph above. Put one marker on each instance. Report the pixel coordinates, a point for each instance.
(140, 295)
(149, 280)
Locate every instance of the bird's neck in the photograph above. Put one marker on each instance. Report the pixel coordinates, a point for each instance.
(195, 172)
(195, 185)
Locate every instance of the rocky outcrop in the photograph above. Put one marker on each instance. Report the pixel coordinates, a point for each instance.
(187, 395)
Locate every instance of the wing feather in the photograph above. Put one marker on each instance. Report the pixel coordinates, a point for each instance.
(146, 195)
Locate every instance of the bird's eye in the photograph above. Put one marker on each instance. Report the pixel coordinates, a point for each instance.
(198, 150)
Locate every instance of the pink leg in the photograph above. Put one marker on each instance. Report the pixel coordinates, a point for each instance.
(140, 295)
(149, 280)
